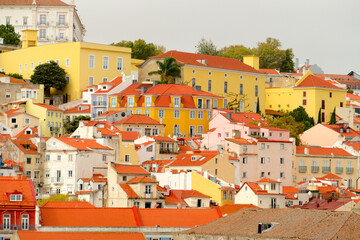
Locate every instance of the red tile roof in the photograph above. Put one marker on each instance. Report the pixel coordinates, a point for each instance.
(108, 113)
(184, 194)
(257, 189)
(22, 134)
(241, 141)
(243, 117)
(312, 81)
(82, 108)
(14, 185)
(268, 140)
(127, 217)
(31, 235)
(48, 107)
(322, 151)
(352, 96)
(130, 169)
(13, 112)
(12, 80)
(83, 144)
(67, 204)
(211, 61)
(201, 157)
(323, 204)
(112, 84)
(26, 146)
(162, 139)
(269, 180)
(38, 2)
(129, 135)
(345, 79)
(337, 127)
(129, 191)
(138, 119)
(231, 208)
(142, 179)
(269, 71)
(354, 145)
(331, 176)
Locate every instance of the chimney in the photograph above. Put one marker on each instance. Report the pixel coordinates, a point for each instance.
(252, 61)
(304, 70)
(307, 63)
(306, 151)
(29, 38)
(296, 63)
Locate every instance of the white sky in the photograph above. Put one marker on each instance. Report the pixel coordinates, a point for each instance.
(325, 31)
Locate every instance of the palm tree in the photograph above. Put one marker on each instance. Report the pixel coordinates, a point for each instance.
(168, 70)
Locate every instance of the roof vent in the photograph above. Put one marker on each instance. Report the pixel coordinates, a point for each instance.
(265, 227)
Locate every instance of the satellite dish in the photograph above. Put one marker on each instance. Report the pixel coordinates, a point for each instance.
(234, 134)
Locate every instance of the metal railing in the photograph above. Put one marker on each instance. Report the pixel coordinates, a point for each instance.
(17, 227)
(339, 169)
(99, 103)
(302, 169)
(167, 151)
(314, 169)
(325, 169)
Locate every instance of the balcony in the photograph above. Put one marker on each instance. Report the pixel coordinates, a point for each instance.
(56, 180)
(314, 169)
(325, 169)
(43, 24)
(17, 227)
(54, 129)
(274, 206)
(349, 170)
(302, 169)
(62, 24)
(148, 195)
(339, 170)
(166, 151)
(99, 103)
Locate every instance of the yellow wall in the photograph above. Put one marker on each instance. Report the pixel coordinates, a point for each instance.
(78, 70)
(134, 63)
(291, 98)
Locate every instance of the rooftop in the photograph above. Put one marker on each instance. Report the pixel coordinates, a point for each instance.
(138, 119)
(322, 151)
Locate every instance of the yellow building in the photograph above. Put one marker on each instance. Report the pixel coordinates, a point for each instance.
(183, 110)
(50, 118)
(312, 93)
(217, 75)
(85, 63)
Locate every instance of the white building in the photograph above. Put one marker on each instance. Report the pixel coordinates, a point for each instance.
(55, 20)
(69, 159)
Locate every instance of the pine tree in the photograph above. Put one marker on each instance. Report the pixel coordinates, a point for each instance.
(333, 117)
(319, 116)
(258, 106)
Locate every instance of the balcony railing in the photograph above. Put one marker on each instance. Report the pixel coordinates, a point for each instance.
(314, 169)
(302, 169)
(274, 206)
(167, 151)
(99, 103)
(148, 195)
(339, 170)
(18, 227)
(349, 170)
(57, 180)
(325, 169)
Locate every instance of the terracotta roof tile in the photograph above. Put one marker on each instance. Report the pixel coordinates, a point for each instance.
(48, 107)
(269, 71)
(337, 128)
(22, 134)
(113, 83)
(38, 2)
(142, 179)
(232, 208)
(130, 169)
(243, 117)
(129, 191)
(268, 180)
(30, 235)
(12, 80)
(138, 119)
(313, 81)
(322, 151)
(67, 204)
(241, 141)
(83, 144)
(82, 108)
(211, 61)
(13, 185)
(26, 146)
(201, 157)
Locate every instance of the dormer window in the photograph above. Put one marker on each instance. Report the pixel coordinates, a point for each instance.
(28, 132)
(348, 130)
(341, 130)
(15, 197)
(193, 158)
(104, 87)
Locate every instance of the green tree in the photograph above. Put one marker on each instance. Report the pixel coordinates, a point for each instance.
(206, 47)
(271, 56)
(70, 127)
(319, 116)
(51, 75)
(168, 70)
(7, 32)
(235, 51)
(288, 122)
(15, 75)
(333, 117)
(57, 198)
(300, 115)
(234, 101)
(287, 64)
(141, 49)
(258, 111)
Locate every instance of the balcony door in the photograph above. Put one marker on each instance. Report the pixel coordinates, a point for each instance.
(273, 203)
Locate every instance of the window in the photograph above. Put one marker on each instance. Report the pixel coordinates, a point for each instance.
(25, 222)
(192, 114)
(262, 174)
(241, 77)
(147, 112)
(244, 175)
(241, 105)
(7, 20)
(67, 62)
(230, 195)
(59, 157)
(176, 129)
(6, 221)
(147, 189)
(91, 81)
(28, 160)
(208, 104)
(127, 158)
(13, 120)
(161, 113)
(70, 173)
(341, 104)
(137, 204)
(131, 102)
(282, 160)
(119, 64)
(282, 175)
(176, 114)
(304, 102)
(322, 117)
(25, 67)
(224, 195)
(209, 73)
(91, 62)
(47, 157)
(138, 111)
(322, 104)
(225, 103)
(105, 79)
(42, 34)
(282, 146)
(304, 93)
(176, 102)
(241, 89)
(106, 63)
(262, 160)
(244, 161)
(193, 82)
(147, 101)
(273, 186)
(215, 103)
(42, 19)
(330, 94)
(209, 115)
(19, 67)
(113, 102)
(256, 90)
(209, 85)
(155, 132)
(104, 157)
(244, 148)
(262, 145)
(37, 160)
(225, 87)
(200, 114)
(61, 20)
(200, 129)
(199, 103)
